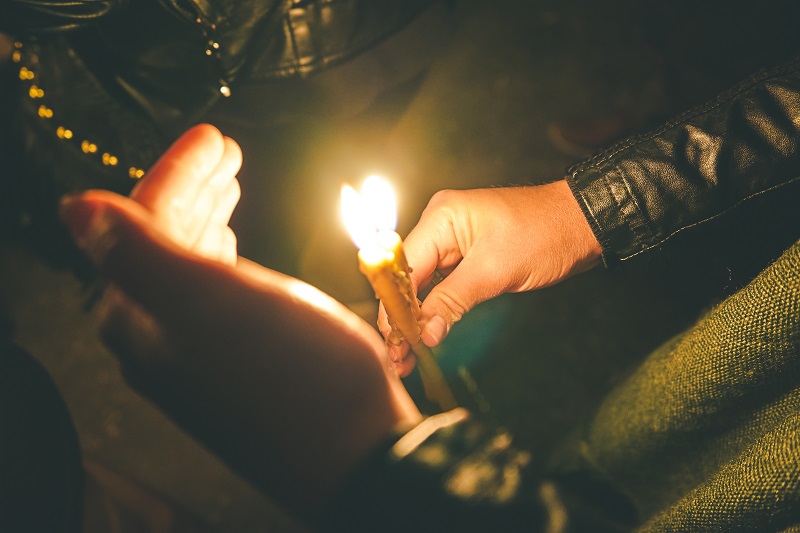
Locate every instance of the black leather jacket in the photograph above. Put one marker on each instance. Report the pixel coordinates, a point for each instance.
(178, 56)
(745, 142)
(104, 86)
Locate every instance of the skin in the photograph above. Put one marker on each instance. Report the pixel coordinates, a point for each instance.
(487, 242)
(224, 345)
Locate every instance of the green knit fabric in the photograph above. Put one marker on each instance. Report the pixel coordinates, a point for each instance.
(705, 435)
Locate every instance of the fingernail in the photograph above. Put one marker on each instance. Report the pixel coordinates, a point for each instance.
(87, 224)
(435, 330)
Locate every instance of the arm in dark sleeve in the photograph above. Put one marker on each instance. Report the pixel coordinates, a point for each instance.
(27, 17)
(457, 473)
(745, 142)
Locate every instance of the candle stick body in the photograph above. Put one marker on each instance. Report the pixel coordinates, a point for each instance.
(386, 268)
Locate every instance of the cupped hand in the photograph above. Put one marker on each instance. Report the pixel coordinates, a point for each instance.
(280, 380)
(190, 194)
(486, 242)
(192, 191)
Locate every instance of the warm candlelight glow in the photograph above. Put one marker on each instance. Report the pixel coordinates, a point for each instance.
(370, 213)
(370, 217)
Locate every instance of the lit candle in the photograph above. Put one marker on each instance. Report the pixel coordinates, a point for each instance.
(371, 218)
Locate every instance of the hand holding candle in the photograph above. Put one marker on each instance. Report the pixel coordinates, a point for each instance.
(370, 219)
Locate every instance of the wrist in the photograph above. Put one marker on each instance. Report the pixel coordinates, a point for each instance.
(587, 250)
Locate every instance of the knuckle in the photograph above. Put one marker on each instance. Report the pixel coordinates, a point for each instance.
(229, 236)
(443, 198)
(454, 304)
(236, 189)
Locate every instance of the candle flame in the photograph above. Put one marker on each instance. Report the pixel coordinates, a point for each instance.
(368, 213)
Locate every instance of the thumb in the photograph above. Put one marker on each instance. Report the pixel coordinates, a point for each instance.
(118, 236)
(471, 283)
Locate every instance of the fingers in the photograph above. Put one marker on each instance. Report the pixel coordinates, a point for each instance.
(226, 202)
(437, 243)
(193, 185)
(210, 236)
(423, 255)
(430, 246)
(403, 367)
(217, 243)
(472, 282)
(433, 244)
(172, 183)
(228, 166)
(192, 191)
(397, 348)
(188, 196)
(118, 236)
(228, 254)
(216, 197)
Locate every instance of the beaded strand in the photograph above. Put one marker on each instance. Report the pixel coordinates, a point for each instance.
(28, 76)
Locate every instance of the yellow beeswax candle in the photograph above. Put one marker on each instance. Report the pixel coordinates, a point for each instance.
(370, 217)
(384, 265)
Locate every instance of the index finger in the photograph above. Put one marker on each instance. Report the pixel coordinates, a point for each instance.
(175, 178)
(431, 245)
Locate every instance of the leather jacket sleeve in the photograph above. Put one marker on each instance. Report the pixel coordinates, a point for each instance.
(639, 193)
(25, 17)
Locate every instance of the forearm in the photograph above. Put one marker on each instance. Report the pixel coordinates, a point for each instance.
(638, 194)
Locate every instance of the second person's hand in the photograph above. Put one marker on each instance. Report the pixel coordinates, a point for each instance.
(486, 242)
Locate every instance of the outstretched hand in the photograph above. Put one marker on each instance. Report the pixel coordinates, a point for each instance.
(486, 242)
(283, 382)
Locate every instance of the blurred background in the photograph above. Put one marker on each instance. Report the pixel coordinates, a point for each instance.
(503, 92)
